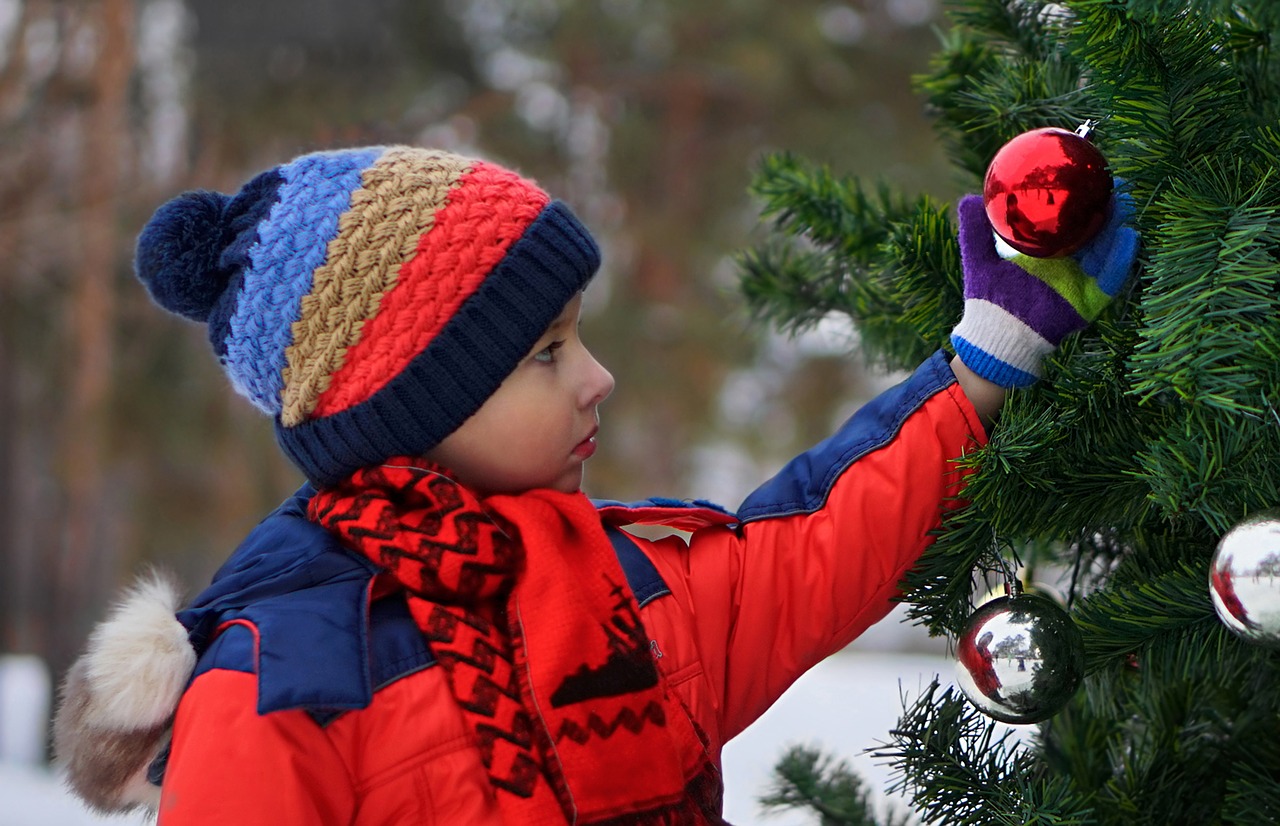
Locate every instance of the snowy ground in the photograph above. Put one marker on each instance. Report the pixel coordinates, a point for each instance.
(846, 704)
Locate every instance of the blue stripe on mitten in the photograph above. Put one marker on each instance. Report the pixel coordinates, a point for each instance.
(1017, 310)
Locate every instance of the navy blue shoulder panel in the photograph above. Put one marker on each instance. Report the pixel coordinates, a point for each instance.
(398, 646)
(235, 649)
(802, 486)
(396, 649)
(645, 581)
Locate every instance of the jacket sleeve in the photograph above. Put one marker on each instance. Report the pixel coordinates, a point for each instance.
(229, 764)
(823, 545)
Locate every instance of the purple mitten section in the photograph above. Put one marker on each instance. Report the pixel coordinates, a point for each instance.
(989, 277)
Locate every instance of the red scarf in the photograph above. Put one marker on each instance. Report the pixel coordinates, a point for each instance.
(526, 607)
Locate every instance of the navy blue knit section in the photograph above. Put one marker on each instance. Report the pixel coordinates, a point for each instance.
(464, 364)
(245, 212)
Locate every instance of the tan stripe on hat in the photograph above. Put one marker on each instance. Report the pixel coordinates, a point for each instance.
(398, 200)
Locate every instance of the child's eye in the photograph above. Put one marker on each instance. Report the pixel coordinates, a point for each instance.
(547, 355)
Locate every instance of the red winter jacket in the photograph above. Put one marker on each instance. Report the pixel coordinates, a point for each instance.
(315, 703)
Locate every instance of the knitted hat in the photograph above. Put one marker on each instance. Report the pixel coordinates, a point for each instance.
(369, 299)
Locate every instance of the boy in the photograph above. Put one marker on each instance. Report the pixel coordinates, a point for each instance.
(439, 626)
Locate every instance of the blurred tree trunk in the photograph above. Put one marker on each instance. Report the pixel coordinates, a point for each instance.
(16, 174)
(662, 278)
(11, 602)
(92, 317)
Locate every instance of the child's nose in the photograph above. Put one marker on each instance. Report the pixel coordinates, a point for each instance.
(599, 383)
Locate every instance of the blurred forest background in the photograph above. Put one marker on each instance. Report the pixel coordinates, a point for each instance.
(121, 444)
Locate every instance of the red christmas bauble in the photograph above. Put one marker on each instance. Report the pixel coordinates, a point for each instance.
(1047, 192)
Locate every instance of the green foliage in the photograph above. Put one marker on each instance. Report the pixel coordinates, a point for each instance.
(874, 256)
(805, 779)
(1152, 433)
(1207, 339)
(958, 770)
(1000, 72)
(1171, 734)
(1132, 615)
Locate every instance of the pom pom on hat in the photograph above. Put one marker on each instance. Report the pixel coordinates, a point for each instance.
(178, 252)
(369, 299)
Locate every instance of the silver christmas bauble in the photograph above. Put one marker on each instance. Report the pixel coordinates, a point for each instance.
(1020, 658)
(1244, 578)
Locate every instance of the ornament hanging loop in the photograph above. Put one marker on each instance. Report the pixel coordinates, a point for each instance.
(1012, 585)
(1085, 129)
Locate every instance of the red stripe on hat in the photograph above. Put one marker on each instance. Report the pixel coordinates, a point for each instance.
(486, 213)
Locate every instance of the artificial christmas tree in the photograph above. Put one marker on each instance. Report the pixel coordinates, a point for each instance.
(1152, 434)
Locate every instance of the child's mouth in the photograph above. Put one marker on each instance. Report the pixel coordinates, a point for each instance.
(586, 448)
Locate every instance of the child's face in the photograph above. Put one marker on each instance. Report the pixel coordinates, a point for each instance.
(538, 429)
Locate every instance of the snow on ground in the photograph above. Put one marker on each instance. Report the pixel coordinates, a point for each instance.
(844, 705)
(31, 797)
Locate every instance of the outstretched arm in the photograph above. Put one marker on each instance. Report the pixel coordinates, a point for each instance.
(986, 396)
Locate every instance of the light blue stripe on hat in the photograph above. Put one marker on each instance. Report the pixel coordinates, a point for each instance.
(292, 243)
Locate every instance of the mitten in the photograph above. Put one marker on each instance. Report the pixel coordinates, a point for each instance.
(1017, 308)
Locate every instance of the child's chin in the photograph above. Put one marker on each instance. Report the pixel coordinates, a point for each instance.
(569, 483)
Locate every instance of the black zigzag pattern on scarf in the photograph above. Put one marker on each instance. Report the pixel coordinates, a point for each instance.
(445, 516)
(486, 697)
(417, 525)
(429, 550)
(522, 776)
(520, 733)
(627, 718)
(486, 692)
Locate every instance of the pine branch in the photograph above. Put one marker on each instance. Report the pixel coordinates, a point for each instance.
(874, 256)
(957, 770)
(1207, 469)
(1126, 618)
(806, 779)
(1000, 72)
(791, 287)
(1170, 99)
(923, 267)
(1152, 433)
(806, 199)
(1166, 736)
(1206, 338)
(1253, 795)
